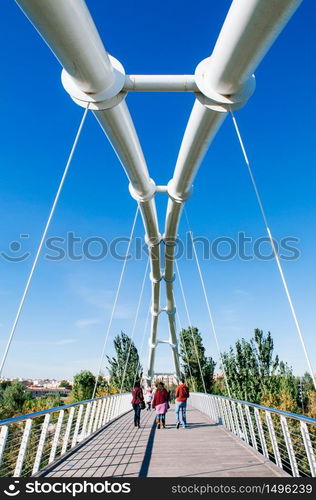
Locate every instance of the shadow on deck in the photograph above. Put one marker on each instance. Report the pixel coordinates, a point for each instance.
(202, 449)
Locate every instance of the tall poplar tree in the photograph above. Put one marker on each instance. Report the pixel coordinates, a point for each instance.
(126, 356)
(192, 352)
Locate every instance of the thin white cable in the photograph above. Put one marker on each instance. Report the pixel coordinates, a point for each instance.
(286, 289)
(40, 246)
(190, 324)
(185, 348)
(115, 301)
(208, 304)
(143, 340)
(134, 325)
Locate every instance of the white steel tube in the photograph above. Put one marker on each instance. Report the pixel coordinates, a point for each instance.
(119, 128)
(249, 30)
(160, 83)
(201, 129)
(173, 214)
(68, 29)
(173, 342)
(152, 346)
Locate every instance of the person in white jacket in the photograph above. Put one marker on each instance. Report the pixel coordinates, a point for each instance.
(148, 398)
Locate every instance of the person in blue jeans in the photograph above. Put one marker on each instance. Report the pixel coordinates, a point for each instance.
(137, 397)
(182, 394)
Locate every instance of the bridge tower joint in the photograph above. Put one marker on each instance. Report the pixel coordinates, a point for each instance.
(212, 99)
(107, 98)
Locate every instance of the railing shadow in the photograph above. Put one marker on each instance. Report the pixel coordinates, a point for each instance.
(195, 425)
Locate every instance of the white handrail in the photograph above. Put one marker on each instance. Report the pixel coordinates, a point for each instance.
(29, 443)
(282, 437)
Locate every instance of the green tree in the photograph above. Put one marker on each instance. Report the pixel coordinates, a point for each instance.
(83, 386)
(219, 386)
(305, 387)
(65, 384)
(12, 398)
(43, 403)
(255, 374)
(192, 353)
(106, 388)
(125, 364)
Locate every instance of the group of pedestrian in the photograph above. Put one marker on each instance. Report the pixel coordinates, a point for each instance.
(159, 400)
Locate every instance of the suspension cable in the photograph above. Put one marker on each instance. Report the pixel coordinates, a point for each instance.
(142, 342)
(275, 252)
(185, 349)
(115, 301)
(41, 243)
(207, 303)
(190, 324)
(134, 325)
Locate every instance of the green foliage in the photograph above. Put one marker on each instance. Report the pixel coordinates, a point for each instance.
(305, 388)
(83, 386)
(219, 386)
(12, 398)
(126, 355)
(106, 388)
(192, 352)
(253, 372)
(65, 384)
(33, 405)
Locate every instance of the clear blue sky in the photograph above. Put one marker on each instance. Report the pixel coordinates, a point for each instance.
(63, 324)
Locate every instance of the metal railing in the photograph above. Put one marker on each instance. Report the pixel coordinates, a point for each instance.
(287, 439)
(29, 443)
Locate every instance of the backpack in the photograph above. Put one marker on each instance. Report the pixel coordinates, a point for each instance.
(185, 392)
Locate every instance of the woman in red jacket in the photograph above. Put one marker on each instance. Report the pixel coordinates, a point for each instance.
(137, 397)
(160, 402)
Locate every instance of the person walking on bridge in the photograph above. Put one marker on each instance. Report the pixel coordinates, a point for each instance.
(148, 398)
(181, 395)
(137, 402)
(161, 403)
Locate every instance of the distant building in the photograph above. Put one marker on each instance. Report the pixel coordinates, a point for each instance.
(51, 384)
(168, 379)
(39, 392)
(24, 382)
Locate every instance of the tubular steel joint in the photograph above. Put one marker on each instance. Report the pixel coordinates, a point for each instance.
(171, 312)
(172, 345)
(146, 196)
(169, 280)
(154, 280)
(106, 98)
(175, 196)
(153, 243)
(216, 101)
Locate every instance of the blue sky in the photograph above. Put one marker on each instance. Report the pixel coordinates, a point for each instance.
(64, 320)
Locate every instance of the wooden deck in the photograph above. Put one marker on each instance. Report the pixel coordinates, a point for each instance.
(201, 450)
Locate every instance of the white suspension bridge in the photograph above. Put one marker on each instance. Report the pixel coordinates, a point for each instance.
(227, 436)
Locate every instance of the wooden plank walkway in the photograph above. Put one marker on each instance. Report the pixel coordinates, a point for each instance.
(202, 450)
